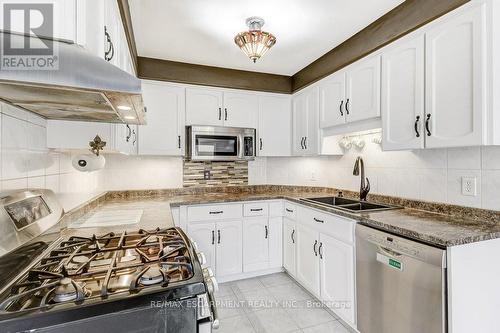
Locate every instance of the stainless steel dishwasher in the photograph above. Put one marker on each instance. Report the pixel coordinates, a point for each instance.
(401, 284)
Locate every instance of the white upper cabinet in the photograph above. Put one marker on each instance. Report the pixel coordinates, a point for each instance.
(204, 107)
(403, 90)
(164, 132)
(305, 113)
(363, 89)
(214, 107)
(455, 79)
(241, 110)
(126, 139)
(274, 131)
(332, 100)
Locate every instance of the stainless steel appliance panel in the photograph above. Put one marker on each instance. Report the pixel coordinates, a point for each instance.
(401, 284)
(214, 143)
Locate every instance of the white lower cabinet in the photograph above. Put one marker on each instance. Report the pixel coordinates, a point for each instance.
(228, 251)
(221, 244)
(275, 242)
(255, 243)
(289, 245)
(307, 258)
(325, 260)
(337, 276)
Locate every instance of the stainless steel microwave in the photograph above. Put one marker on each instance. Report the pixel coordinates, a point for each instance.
(215, 143)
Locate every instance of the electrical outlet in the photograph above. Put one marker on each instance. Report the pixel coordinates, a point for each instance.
(469, 186)
(313, 176)
(206, 174)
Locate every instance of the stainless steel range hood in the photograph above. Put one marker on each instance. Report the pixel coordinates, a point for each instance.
(83, 87)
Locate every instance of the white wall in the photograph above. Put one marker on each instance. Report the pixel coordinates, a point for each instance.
(27, 163)
(430, 175)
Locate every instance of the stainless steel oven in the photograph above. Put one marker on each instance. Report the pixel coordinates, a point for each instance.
(214, 143)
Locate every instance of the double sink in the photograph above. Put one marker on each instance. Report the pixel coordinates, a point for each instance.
(349, 205)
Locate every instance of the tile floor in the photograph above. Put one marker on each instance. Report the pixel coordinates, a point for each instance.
(272, 304)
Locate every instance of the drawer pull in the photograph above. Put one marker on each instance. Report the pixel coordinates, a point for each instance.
(267, 232)
(319, 221)
(217, 212)
(289, 210)
(256, 209)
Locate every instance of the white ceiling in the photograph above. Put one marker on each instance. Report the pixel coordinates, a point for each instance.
(202, 31)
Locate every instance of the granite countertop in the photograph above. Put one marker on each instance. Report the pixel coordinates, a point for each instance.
(429, 227)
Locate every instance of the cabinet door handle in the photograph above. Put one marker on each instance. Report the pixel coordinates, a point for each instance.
(267, 231)
(260, 140)
(216, 212)
(427, 125)
(417, 134)
(256, 209)
(110, 52)
(213, 237)
(220, 113)
(314, 248)
(135, 138)
(289, 210)
(305, 142)
(129, 133)
(302, 142)
(340, 108)
(319, 250)
(218, 236)
(347, 106)
(179, 141)
(318, 220)
(293, 232)
(225, 113)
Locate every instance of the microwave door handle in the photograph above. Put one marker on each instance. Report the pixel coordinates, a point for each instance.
(240, 149)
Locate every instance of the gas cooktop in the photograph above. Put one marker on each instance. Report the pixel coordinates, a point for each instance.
(81, 268)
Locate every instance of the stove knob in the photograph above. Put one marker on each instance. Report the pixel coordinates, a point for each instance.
(207, 273)
(201, 258)
(212, 284)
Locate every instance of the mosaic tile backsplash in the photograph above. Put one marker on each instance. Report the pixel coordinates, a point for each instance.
(210, 174)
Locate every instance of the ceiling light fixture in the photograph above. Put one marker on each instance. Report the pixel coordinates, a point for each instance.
(255, 42)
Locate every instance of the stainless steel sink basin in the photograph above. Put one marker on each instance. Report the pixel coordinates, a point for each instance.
(350, 204)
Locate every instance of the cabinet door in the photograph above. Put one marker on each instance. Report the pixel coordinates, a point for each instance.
(112, 23)
(164, 132)
(204, 107)
(308, 258)
(332, 100)
(205, 237)
(275, 126)
(255, 244)
(455, 75)
(299, 122)
(363, 90)
(275, 242)
(90, 26)
(305, 122)
(403, 101)
(241, 110)
(126, 139)
(289, 241)
(229, 249)
(337, 276)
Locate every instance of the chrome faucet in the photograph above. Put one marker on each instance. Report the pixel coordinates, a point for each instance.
(359, 168)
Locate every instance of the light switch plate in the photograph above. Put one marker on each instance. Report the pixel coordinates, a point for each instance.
(469, 186)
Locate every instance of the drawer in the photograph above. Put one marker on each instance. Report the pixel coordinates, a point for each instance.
(214, 212)
(256, 209)
(333, 225)
(290, 210)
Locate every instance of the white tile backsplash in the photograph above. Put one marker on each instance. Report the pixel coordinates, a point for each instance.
(428, 174)
(27, 163)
